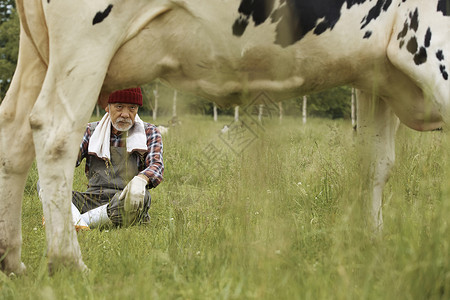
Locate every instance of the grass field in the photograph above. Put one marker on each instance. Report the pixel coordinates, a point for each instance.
(283, 219)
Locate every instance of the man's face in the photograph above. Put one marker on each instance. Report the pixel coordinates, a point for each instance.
(122, 115)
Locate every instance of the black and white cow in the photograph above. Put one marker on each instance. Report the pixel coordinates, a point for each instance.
(396, 52)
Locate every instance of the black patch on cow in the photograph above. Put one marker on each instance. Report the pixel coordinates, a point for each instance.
(443, 72)
(428, 38)
(440, 55)
(412, 45)
(421, 56)
(295, 18)
(367, 35)
(101, 15)
(259, 11)
(404, 31)
(444, 7)
(414, 20)
(419, 53)
(376, 11)
(239, 25)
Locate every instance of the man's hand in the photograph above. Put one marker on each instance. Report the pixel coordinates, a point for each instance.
(134, 194)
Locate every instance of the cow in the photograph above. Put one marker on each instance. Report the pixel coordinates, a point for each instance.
(74, 53)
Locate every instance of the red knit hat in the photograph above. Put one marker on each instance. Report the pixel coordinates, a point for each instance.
(130, 96)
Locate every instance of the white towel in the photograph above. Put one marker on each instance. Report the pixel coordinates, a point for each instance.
(99, 144)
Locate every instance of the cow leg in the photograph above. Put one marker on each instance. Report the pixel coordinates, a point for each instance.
(57, 140)
(377, 125)
(17, 151)
(69, 99)
(58, 119)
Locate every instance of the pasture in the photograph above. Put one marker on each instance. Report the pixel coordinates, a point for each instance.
(281, 220)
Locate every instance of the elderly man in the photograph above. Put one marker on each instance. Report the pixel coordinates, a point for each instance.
(123, 160)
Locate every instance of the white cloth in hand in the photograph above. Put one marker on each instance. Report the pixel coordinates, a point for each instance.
(134, 194)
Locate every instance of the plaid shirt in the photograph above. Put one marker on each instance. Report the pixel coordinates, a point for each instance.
(152, 166)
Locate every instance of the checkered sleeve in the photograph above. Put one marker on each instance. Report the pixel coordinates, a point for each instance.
(84, 145)
(154, 166)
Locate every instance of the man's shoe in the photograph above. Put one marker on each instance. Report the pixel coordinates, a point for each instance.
(77, 227)
(81, 228)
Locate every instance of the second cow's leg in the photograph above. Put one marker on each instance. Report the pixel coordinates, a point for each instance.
(377, 125)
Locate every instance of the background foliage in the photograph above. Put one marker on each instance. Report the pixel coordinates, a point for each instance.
(9, 43)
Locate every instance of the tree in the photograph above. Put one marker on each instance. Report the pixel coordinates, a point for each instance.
(333, 103)
(6, 10)
(9, 45)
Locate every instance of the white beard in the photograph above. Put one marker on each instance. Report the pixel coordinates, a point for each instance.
(124, 127)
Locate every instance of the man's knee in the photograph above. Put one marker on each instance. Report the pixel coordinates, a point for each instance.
(118, 216)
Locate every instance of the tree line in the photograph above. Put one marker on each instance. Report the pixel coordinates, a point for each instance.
(333, 103)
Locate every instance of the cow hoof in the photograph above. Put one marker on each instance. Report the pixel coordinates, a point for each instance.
(21, 269)
(86, 271)
(84, 268)
(53, 267)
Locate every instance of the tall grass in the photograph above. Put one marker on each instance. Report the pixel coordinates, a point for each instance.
(282, 220)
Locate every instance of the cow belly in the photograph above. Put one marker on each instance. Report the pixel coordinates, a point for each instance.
(221, 67)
